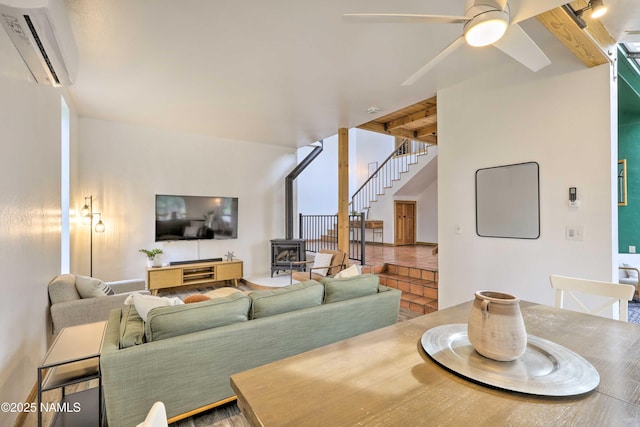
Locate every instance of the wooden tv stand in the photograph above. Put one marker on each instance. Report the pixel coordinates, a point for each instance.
(201, 273)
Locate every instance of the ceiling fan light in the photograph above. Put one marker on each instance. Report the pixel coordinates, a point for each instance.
(486, 32)
(486, 28)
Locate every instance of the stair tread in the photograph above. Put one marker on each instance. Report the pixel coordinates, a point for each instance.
(411, 280)
(389, 173)
(418, 300)
(419, 295)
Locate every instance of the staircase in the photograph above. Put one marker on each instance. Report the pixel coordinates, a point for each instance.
(419, 286)
(391, 170)
(320, 230)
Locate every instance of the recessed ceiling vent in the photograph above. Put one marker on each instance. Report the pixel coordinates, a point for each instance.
(41, 33)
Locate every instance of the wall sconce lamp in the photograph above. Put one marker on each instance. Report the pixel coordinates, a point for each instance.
(88, 216)
(597, 10)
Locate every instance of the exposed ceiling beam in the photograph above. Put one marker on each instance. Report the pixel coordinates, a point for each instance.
(423, 117)
(427, 131)
(429, 139)
(593, 45)
(403, 133)
(418, 122)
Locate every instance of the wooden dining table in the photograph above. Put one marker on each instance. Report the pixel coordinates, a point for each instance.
(385, 378)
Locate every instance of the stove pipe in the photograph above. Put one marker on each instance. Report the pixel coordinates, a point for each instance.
(288, 187)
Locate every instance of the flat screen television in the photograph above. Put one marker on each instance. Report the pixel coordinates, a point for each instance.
(196, 217)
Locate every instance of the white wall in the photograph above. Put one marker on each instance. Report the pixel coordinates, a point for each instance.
(560, 117)
(29, 221)
(125, 166)
(427, 214)
(317, 186)
(369, 147)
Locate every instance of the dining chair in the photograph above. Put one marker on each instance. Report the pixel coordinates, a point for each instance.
(574, 287)
(157, 416)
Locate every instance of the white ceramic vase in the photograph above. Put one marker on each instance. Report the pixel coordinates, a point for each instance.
(155, 262)
(496, 328)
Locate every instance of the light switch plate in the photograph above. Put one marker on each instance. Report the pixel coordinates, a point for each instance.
(575, 232)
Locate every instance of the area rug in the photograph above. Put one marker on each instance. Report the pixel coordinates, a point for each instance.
(634, 312)
(266, 281)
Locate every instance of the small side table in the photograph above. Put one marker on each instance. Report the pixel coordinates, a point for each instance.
(74, 357)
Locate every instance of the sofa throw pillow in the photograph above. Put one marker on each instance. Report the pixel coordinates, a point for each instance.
(348, 272)
(631, 273)
(145, 303)
(321, 260)
(90, 287)
(190, 299)
(167, 322)
(131, 327)
(223, 292)
(350, 287)
(289, 298)
(63, 288)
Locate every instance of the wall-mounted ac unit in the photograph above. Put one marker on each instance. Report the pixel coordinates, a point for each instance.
(40, 31)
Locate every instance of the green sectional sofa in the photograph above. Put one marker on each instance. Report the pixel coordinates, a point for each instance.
(184, 355)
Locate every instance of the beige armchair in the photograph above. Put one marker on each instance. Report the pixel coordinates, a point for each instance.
(628, 275)
(338, 263)
(86, 301)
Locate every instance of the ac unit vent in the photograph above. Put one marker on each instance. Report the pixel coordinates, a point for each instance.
(43, 52)
(43, 37)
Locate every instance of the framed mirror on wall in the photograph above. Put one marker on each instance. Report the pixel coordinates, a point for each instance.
(622, 182)
(508, 201)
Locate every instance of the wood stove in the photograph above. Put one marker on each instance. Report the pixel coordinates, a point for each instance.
(284, 252)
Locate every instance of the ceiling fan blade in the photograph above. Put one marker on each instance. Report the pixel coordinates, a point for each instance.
(501, 3)
(527, 9)
(405, 18)
(435, 61)
(517, 44)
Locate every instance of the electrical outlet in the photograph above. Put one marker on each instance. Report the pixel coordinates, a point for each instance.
(632, 249)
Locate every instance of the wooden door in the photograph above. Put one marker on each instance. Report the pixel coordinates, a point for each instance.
(405, 222)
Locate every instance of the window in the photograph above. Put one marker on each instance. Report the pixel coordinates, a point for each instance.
(632, 51)
(65, 238)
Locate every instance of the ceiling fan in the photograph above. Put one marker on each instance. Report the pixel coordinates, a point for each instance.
(486, 22)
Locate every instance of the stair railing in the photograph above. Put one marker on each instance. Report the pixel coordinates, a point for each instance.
(398, 162)
(321, 232)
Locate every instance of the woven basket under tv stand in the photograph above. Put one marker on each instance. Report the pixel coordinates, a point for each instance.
(200, 273)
